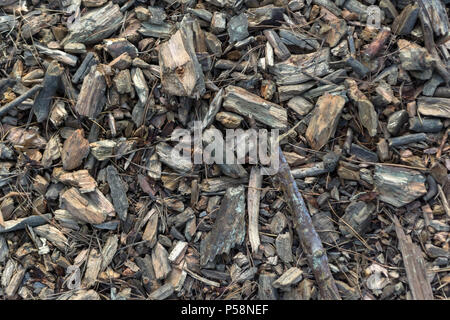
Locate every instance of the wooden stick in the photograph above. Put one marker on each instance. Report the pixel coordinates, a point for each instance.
(254, 193)
(414, 265)
(20, 99)
(309, 239)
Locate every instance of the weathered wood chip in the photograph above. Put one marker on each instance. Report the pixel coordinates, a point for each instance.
(229, 227)
(118, 192)
(160, 261)
(93, 266)
(325, 118)
(80, 179)
(241, 101)
(290, 277)
(398, 186)
(181, 73)
(75, 149)
(86, 207)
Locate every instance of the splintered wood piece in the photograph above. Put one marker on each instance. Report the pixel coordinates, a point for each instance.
(253, 199)
(229, 227)
(279, 48)
(434, 107)
(177, 252)
(160, 261)
(241, 101)
(162, 292)
(414, 265)
(26, 138)
(52, 81)
(366, 110)
(84, 207)
(80, 179)
(4, 250)
(52, 151)
(108, 251)
(93, 266)
(151, 229)
(15, 282)
(266, 291)
(290, 277)
(58, 55)
(220, 183)
(181, 73)
(309, 239)
(325, 118)
(398, 186)
(214, 107)
(75, 149)
(85, 295)
(95, 26)
(118, 192)
(19, 224)
(92, 94)
(377, 44)
(53, 235)
(173, 159)
(295, 69)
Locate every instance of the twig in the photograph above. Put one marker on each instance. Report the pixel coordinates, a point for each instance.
(309, 239)
(19, 100)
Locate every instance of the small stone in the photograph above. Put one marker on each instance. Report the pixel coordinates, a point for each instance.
(218, 22)
(74, 47)
(229, 120)
(396, 122)
(143, 14)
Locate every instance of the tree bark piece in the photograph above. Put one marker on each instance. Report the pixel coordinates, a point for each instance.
(241, 101)
(52, 81)
(229, 227)
(58, 55)
(434, 107)
(93, 267)
(398, 186)
(181, 73)
(95, 26)
(279, 48)
(92, 95)
(324, 120)
(309, 239)
(75, 149)
(366, 110)
(80, 179)
(118, 192)
(414, 265)
(19, 224)
(84, 207)
(253, 198)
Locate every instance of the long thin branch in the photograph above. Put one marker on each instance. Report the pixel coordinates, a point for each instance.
(20, 99)
(309, 239)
